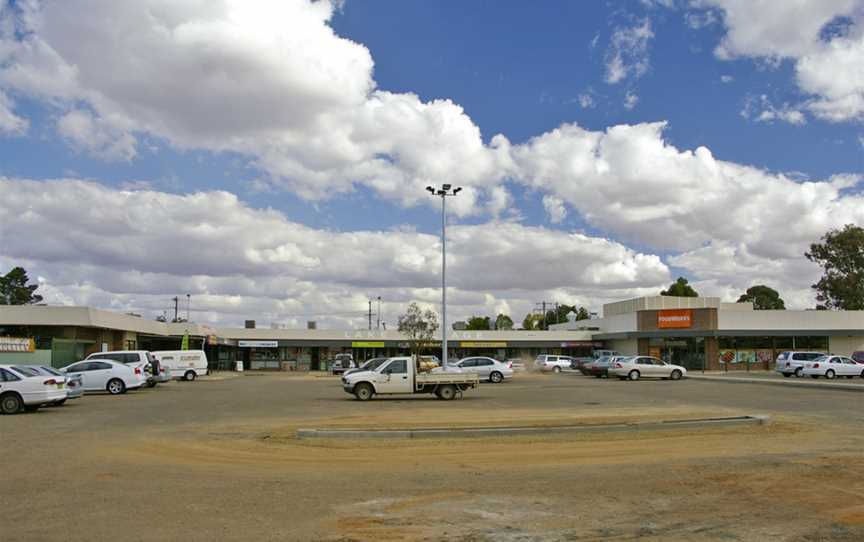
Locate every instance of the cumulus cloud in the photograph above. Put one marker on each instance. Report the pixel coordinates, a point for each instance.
(628, 53)
(136, 248)
(554, 209)
(10, 123)
(761, 109)
(823, 38)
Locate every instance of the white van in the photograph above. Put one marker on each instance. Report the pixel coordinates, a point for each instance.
(183, 364)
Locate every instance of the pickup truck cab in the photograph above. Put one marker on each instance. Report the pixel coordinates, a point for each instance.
(400, 376)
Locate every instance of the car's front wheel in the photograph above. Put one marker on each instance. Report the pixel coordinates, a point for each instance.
(829, 374)
(556, 370)
(676, 375)
(496, 377)
(115, 386)
(799, 372)
(10, 403)
(363, 392)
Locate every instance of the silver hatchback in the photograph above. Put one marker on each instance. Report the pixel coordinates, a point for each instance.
(486, 368)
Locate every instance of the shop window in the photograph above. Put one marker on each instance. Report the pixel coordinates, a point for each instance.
(783, 343)
(811, 343)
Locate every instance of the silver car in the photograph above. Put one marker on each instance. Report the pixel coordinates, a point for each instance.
(645, 367)
(486, 368)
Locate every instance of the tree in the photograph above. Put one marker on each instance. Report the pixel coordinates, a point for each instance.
(478, 323)
(503, 322)
(841, 255)
(680, 288)
(14, 289)
(419, 327)
(532, 321)
(763, 298)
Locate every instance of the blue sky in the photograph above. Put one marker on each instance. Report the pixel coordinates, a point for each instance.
(523, 73)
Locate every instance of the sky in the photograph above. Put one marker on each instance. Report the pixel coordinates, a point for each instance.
(269, 157)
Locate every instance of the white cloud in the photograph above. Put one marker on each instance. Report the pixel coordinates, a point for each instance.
(628, 53)
(96, 136)
(762, 110)
(136, 249)
(554, 209)
(726, 78)
(586, 101)
(10, 123)
(827, 64)
(630, 100)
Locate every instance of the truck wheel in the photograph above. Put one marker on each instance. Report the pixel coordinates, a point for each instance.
(556, 370)
(363, 392)
(447, 392)
(189, 376)
(787, 375)
(496, 377)
(10, 403)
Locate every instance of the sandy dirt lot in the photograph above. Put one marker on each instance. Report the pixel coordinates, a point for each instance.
(219, 460)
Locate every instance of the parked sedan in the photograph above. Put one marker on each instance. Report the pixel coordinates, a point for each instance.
(600, 367)
(107, 375)
(486, 368)
(833, 366)
(27, 390)
(74, 384)
(638, 367)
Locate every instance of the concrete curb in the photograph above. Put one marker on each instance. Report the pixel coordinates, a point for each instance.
(784, 382)
(699, 423)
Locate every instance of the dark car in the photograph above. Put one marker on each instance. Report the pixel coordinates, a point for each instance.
(600, 367)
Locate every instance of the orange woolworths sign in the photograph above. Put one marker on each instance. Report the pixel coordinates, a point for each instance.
(675, 318)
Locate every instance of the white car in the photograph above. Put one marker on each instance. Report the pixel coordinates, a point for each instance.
(182, 364)
(556, 364)
(107, 375)
(637, 367)
(832, 367)
(136, 358)
(792, 363)
(486, 368)
(28, 390)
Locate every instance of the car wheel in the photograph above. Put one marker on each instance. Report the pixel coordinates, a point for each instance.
(115, 386)
(447, 392)
(10, 403)
(786, 375)
(676, 375)
(189, 376)
(363, 392)
(496, 377)
(556, 370)
(829, 374)
(633, 375)
(798, 372)
(151, 384)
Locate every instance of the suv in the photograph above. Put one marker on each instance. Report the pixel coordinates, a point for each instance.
(792, 363)
(548, 362)
(342, 363)
(136, 358)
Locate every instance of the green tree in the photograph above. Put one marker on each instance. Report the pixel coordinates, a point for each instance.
(419, 327)
(680, 288)
(841, 256)
(503, 322)
(763, 298)
(532, 321)
(14, 289)
(478, 323)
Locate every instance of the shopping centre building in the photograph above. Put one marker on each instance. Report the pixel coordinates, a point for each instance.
(699, 333)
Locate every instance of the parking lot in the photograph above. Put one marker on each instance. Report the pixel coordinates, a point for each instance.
(218, 459)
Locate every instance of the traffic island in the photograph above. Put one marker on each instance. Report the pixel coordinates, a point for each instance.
(503, 431)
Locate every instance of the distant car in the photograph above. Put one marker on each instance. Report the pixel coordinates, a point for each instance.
(107, 375)
(792, 363)
(833, 366)
(134, 358)
(486, 368)
(74, 384)
(342, 363)
(182, 364)
(600, 367)
(636, 367)
(28, 390)
(858, 356)
(368, 365)
(549, 362)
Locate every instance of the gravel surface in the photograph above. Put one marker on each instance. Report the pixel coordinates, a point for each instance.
(217, 459)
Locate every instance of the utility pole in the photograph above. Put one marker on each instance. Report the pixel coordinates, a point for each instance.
(444, 192)
(378, 322)
(176, 306)
(370, 315)
(188, 304)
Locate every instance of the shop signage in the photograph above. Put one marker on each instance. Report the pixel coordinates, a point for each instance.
(258, 344)
(675, 318)
(367, 344)
(17, 344)
(499, 344)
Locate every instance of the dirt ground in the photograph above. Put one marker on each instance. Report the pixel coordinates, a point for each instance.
(218, 460)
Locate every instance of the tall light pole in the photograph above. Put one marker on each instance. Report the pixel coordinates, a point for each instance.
(444, 192)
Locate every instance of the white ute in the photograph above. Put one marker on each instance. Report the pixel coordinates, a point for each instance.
(399, 375)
